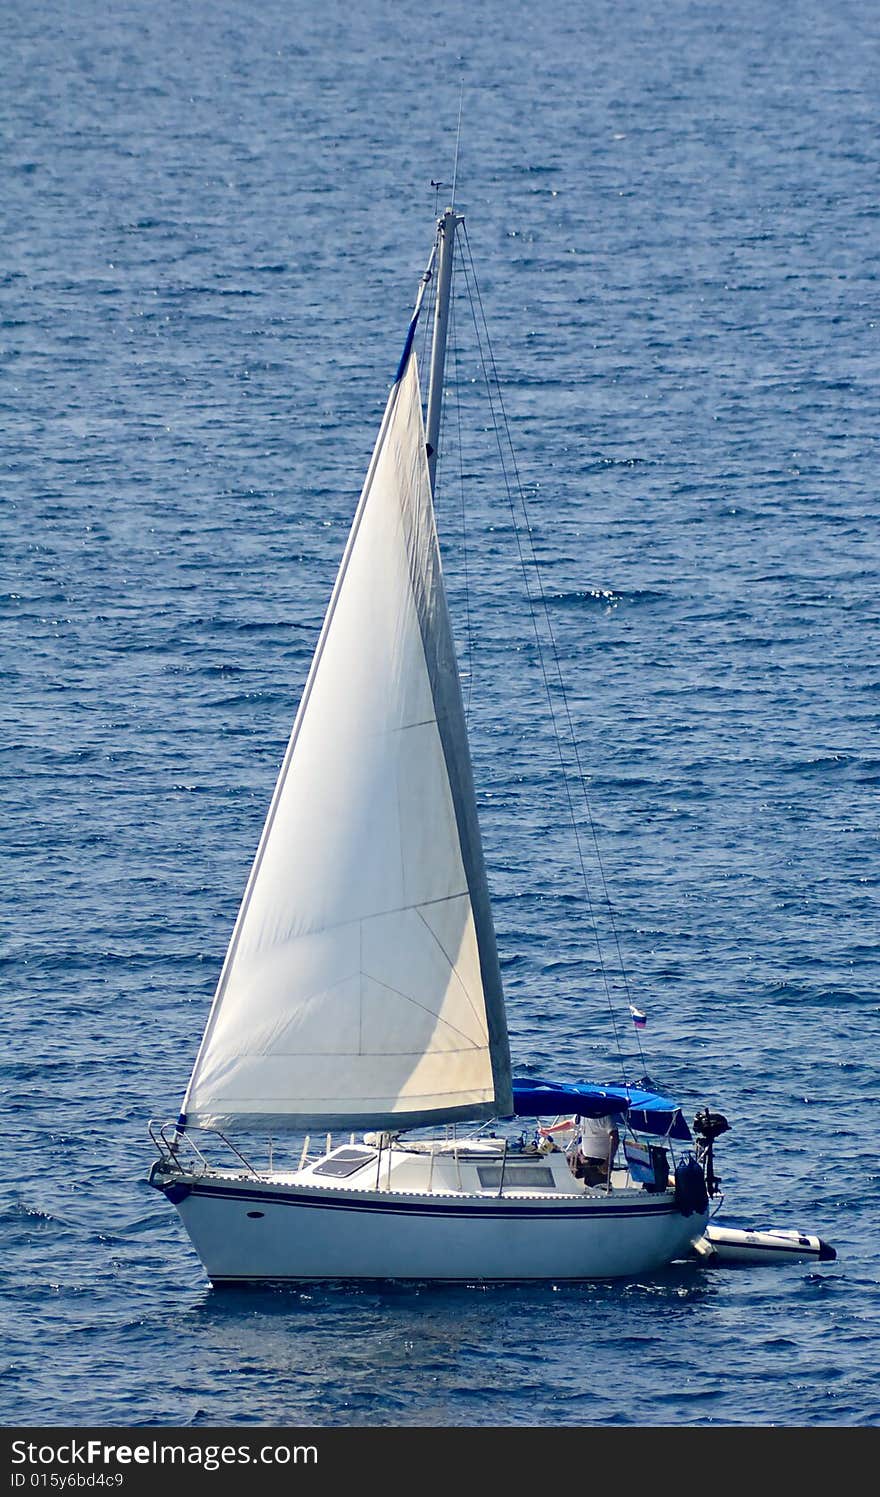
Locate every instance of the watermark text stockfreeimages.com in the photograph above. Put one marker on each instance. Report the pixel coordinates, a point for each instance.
(94, 1453)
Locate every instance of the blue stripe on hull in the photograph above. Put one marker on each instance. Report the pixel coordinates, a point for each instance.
(487, 1212)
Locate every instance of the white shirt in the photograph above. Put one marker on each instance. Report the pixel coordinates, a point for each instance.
(596, 1137)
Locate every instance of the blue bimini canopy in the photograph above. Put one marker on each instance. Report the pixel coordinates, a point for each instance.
(646, 1112)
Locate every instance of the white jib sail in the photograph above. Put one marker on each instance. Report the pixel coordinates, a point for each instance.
(361, 985)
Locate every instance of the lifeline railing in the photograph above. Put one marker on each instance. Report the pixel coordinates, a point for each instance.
(169, 1149)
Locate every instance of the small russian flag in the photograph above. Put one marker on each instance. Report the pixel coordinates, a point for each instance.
(639, 1019)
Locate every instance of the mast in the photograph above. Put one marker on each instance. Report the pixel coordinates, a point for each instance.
(446, 226)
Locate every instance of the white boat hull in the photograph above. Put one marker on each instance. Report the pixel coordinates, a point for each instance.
(248, 1231)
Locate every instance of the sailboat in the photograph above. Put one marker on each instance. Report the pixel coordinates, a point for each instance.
(361, 994)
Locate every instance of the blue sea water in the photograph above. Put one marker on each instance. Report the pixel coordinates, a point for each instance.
(215, 217)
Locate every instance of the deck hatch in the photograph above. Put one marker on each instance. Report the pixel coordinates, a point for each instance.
(345, 1162)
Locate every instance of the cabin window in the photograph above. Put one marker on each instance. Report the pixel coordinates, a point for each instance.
(517, 1176)
(345, 1162)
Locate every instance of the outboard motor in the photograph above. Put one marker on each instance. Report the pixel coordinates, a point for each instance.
(708, 1126)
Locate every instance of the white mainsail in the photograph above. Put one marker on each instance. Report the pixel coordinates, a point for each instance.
(361, 985)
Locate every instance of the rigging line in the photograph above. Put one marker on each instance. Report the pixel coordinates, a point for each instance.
(453, 345)
(475, 300)
(522, 499)
(457, 144)
(521, 493)
(430, 298)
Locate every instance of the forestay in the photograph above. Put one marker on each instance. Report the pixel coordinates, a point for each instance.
(361, 985)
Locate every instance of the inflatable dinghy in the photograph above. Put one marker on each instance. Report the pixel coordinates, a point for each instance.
(739, 1245)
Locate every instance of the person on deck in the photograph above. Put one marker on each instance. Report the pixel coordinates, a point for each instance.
(595, 1148)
